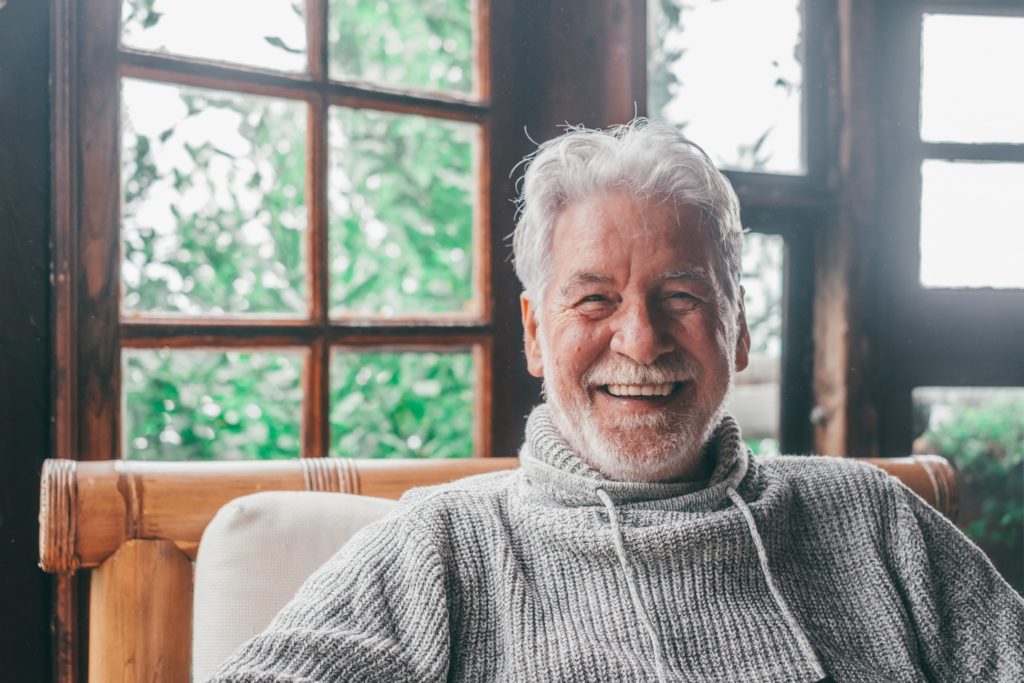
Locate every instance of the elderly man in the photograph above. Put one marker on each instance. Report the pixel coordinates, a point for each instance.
(640, 540)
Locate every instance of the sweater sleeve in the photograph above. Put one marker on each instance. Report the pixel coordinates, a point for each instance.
(375, 612)
(969, 621)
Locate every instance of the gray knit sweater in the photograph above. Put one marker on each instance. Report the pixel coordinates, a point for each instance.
(777, 569)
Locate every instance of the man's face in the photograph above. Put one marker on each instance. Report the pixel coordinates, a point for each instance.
(637, 342)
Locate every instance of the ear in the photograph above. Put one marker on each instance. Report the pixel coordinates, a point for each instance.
(531, 344)
(742, 335)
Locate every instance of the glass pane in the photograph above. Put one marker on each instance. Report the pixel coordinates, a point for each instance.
(422, 45)
(401, 404)
(729, 73)
(972, 224)
(755, 398)
(981, 430)
(213, 202)
(212, 405)
(971, 86)
(402, 193)
(269, 34)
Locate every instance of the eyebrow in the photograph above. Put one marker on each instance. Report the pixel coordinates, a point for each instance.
(694, 274)
(584, 278)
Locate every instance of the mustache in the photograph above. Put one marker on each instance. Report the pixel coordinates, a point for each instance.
(614, 369)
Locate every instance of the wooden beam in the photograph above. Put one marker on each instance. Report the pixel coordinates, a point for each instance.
(845, 418)
(140, 615)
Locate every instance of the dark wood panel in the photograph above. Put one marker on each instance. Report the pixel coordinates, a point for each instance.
(98, 285)
(25, 334)
(844, 287)
(514, 391)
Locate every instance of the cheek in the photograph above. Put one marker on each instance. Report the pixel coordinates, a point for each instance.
(574, 351)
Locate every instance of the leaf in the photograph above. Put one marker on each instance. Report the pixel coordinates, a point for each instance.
(151, 19)
(278, 43)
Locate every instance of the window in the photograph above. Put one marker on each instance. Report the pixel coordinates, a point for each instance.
(948, 276)
(739, 98)
(971, 133)
(283, 246)
(748, 108)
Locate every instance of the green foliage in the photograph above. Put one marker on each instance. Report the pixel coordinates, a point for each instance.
(401, 405)
(427, 44)
(401, 208)
(214, 223)
(986, 442)
(212, 405)
(214, 217)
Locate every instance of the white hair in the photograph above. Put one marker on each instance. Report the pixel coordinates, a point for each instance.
(651, 161)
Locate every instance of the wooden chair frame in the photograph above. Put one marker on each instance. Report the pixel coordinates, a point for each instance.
(137, 526)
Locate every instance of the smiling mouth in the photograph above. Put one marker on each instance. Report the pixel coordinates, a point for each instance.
(642, 391)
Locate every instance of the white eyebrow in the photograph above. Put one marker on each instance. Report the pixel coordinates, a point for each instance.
(697, 273)
(583, 278)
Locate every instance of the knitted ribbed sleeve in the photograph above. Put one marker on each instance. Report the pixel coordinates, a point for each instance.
(969, 623)
(375, 612)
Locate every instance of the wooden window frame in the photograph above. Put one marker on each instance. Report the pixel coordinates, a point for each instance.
(796, 207)
(92, 330)
(935, 336)
(89, 330)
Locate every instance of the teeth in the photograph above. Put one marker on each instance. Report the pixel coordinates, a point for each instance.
(640, 389)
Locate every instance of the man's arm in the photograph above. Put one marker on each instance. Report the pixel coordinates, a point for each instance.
(375, 612)
(969, 621)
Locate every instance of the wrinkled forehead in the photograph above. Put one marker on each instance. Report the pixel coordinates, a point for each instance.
(600, 227)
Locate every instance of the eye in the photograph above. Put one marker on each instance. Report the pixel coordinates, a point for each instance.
(593, 298)
(681, 301)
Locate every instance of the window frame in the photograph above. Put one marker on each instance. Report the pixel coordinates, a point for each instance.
(934, 336)
(86, 329)
(90, 328)
(797, 207)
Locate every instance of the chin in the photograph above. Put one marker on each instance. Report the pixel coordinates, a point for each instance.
(654, 448)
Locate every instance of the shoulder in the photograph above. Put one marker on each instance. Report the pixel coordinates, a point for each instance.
(470, 497)
(820, 470)
(843, 486)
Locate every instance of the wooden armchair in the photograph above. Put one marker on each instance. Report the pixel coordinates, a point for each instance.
(137, 526)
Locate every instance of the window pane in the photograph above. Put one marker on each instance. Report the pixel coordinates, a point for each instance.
(401, 404)
(423, 45)
(212, 405)
(972, 224)
(755, 398)
(981, 430)
(729, 73)
(971, 86)
(213, 202)
(269, 34)
(402, 194)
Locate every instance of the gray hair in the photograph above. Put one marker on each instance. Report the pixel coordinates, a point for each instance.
(646, 159)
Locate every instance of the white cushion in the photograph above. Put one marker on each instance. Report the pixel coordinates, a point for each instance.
(255, 554)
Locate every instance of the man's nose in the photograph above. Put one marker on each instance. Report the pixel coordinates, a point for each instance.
(639, 334)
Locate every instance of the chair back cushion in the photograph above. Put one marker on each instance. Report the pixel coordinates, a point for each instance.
(255, 554)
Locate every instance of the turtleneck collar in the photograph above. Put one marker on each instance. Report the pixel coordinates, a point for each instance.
(558, 473)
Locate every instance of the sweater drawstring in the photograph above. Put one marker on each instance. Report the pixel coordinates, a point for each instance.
(787, 615)
(634, 593)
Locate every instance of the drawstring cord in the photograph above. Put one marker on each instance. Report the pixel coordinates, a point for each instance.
(762, 556)
(634, 593)
(645, 617)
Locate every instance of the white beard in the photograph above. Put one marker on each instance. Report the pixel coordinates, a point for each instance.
(663, 446)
